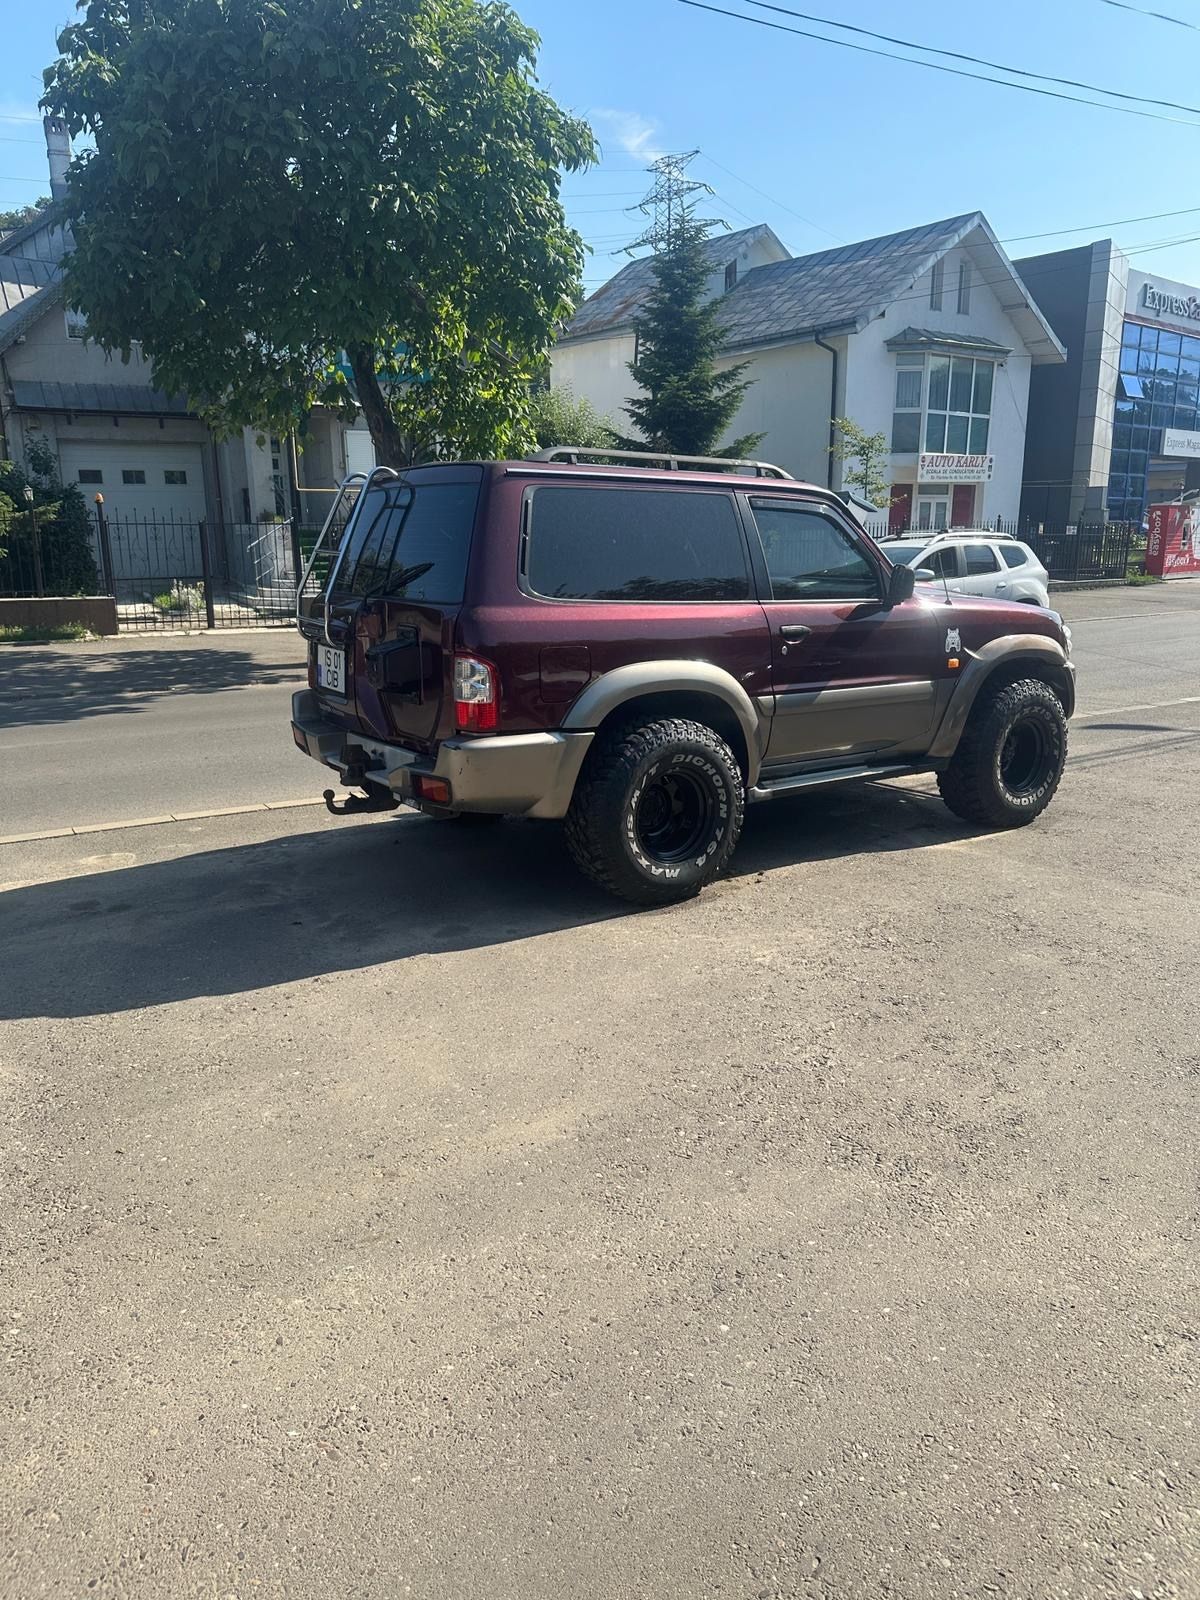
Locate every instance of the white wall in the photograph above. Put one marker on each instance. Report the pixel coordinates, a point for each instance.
(871, 378)
(788, 402)
(47, 355)
(597, 370)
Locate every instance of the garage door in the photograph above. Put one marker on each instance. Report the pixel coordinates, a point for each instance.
(138, 480)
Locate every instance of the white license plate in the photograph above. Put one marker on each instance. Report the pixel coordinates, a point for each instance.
(331, 669)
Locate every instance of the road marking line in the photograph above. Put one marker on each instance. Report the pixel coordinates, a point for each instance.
(155, 822)
(1150, 705)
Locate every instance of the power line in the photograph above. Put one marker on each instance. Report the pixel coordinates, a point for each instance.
(978, 61)
(933, 66)
(1160, 16)
(1087, 227)
(745, 182)
(17, 116)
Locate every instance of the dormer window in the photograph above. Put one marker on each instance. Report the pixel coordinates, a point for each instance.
(731, 275)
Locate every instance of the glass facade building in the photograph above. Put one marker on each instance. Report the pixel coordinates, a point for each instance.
(1158, 388)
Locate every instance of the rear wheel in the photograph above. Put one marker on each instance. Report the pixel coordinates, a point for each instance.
(1010, 759)
(657, 811)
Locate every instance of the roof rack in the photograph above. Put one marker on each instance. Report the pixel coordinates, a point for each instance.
(574, 454)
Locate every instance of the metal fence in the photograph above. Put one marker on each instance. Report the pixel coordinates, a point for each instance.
(1076, 553)
(173, 573)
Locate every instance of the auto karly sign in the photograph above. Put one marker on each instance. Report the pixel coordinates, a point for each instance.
(954, 469)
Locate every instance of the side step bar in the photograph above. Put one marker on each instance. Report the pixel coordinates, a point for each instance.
(829, 778)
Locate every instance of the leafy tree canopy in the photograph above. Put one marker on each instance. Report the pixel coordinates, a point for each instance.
(558, 418)
(9, 220)
(275, 182)
(865, 458)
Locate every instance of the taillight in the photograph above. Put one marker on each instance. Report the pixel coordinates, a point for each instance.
(476, 707)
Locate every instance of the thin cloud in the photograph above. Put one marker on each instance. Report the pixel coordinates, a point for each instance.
(635, 134)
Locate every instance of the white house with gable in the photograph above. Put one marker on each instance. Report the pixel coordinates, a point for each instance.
(926, 336)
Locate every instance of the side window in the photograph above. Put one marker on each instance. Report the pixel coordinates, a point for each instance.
(943, 561)
(810, 558)
(981, 558)
(1014, 555)
(634, 544)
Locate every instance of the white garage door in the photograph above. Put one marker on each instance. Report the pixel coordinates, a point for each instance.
(138, 480)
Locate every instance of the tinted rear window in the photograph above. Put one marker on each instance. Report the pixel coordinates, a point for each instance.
(1014, 555)
(634, 544)
(411, 542)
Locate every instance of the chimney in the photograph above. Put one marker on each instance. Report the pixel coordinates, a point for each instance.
(58, 149)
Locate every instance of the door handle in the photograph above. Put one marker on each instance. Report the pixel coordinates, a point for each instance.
(1002, 584)
(794, 631)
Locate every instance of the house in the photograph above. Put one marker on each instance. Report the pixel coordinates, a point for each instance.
(927, 336)
(112, 431)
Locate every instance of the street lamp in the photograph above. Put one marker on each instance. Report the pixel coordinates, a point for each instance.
(39, 579)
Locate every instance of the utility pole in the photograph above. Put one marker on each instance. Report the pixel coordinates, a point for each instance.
(667, 203)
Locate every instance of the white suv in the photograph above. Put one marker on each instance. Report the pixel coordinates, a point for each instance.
(975, 562)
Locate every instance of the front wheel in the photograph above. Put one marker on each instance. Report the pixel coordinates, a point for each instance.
(657, 811)
(1010, 759)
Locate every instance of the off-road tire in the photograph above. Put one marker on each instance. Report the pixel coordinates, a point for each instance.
(639, 769)
(980, 784)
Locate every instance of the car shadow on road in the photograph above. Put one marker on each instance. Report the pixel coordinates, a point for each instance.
(47, 686)
(371, 892)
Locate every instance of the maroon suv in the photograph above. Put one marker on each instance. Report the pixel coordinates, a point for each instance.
(642, 651)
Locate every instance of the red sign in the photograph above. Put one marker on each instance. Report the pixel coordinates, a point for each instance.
(1173, 544)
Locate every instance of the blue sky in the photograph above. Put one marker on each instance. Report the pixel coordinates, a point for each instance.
(841, 145)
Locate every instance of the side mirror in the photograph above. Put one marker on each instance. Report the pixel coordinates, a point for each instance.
(900, 585)
(925, 575)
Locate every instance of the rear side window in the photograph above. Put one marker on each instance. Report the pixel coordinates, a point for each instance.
(942, 562)
(980, 558)
(1014, 555)
(411, 542)
(634, 544)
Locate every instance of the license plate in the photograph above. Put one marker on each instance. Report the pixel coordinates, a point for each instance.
(331, 669)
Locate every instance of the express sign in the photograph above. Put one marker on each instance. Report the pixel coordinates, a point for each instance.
(1161, 304)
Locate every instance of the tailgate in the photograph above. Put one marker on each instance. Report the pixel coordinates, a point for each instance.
(396, 597)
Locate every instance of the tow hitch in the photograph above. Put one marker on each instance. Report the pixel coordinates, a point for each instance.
(354, 804)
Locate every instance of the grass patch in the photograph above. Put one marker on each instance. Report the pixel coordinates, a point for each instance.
(60, 633)
(181, 597)
(1139, 580)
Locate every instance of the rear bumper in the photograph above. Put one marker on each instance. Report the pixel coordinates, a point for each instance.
(520, 774)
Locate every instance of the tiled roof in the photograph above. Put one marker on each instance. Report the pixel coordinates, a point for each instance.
(26, 288)
(124, 399)
(931, 339)
(618, 301)
(835, 290)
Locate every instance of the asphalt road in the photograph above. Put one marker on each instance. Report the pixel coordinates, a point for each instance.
(387, 1214)
(141, 727)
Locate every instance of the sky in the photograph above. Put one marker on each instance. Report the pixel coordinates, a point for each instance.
(826, 144)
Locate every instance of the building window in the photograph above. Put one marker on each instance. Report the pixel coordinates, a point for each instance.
(76, 324)
(90, 475)
(936, 282)
(906, 418)
(730, 276)
(959, 405)
(964, 288)
(133, 475)
(175, 477)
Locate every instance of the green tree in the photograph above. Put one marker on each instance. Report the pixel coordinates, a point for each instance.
(558, 418)
(687, 404)
(276, 182)
(9, 220)
(64, 527)
(870, 451)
